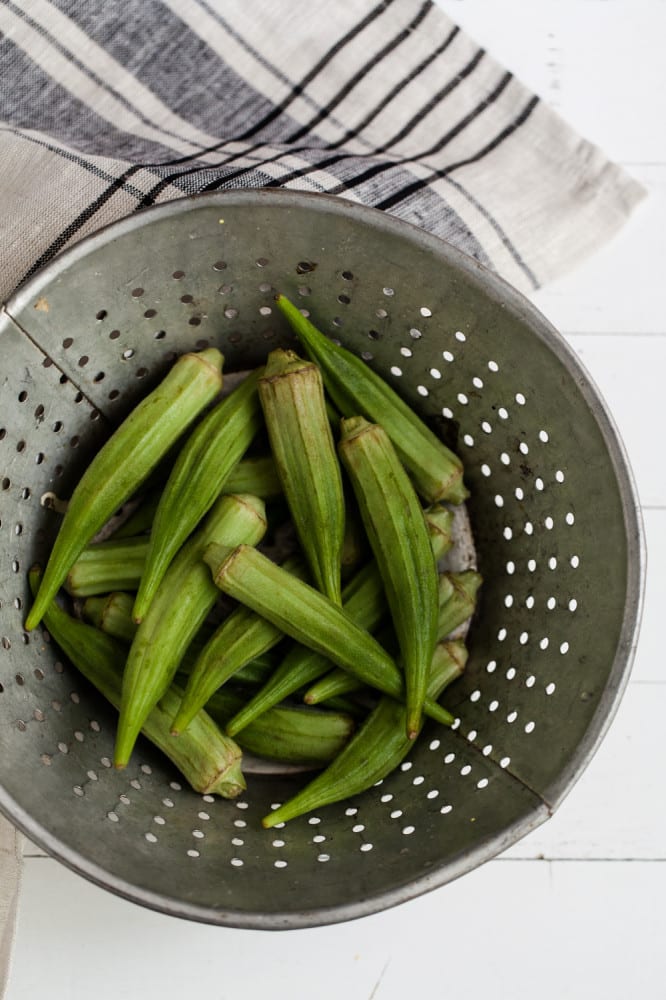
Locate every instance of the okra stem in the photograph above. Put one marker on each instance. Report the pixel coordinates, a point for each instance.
(377, 747)
(309, 617)
(197, 479)
(355, 388)
(207, 759)
(126, 460)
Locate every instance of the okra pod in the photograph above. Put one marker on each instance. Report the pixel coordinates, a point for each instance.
(347, 705)
(362, 598)
(292, 734)
(141, 519)
(112, 614)
(292, 397)
(309, 617)
(208, 760)
(377, 747)
(257, 476)
(354, 545)
(105, 566)
(396, 527)
(439, 520)
(257, 671)
(182, 602)
(126, 460)
(457, 600)
(197, 479)
(457, 604)
(242, 637)
(354, 388)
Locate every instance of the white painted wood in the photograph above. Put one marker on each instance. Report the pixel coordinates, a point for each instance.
(617, 810)
(510, 929)
(628, 370)
(619, 288)
(650, 659)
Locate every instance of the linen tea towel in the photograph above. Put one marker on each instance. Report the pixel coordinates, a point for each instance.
(109, 106)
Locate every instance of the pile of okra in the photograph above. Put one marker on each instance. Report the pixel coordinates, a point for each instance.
(356, 620)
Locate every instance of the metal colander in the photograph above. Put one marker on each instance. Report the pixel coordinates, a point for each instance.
(553, 510)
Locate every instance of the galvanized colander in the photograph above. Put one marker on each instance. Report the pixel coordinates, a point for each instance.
(553, 511)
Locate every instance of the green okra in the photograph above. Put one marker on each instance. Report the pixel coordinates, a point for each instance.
(399, 538)
(354, 388)
(347, 705)
(439, 520)
(140, 520)
(126, 460)
(292, 398)
(309, 617)
(257, 671)
(242, 637)
(182, 602)
(105, 566)
(292, 734)
(257, 476)
(208, 760)
(457, 600)
(362, 598)
(354, 544)
(197, 479)
(377, 747)
(112, 613)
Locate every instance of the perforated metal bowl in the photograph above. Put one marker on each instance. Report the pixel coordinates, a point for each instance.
(553, 510)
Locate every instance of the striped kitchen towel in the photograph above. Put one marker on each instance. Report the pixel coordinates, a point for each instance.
(108, 106)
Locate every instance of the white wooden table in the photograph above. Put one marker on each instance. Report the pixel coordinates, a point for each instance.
(578, 909)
